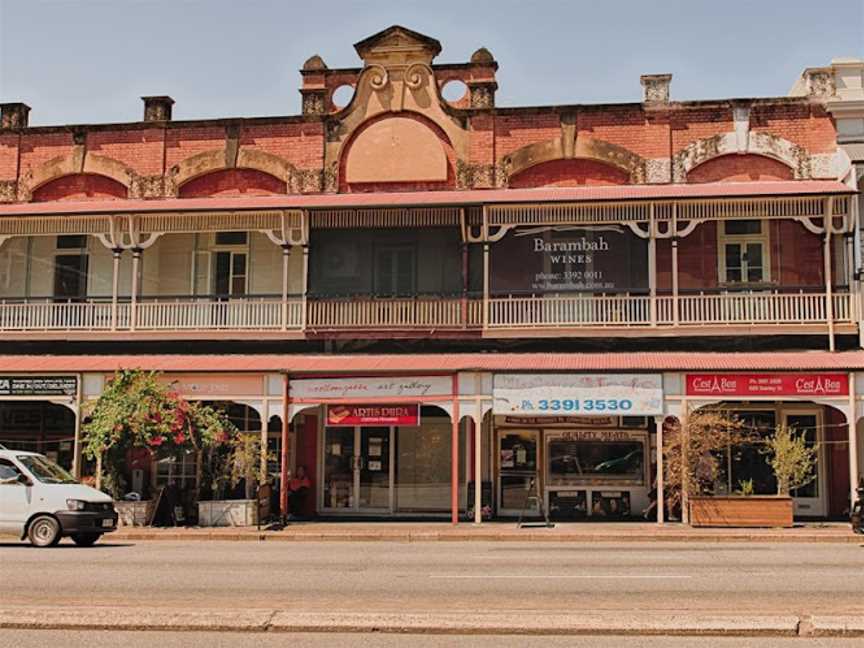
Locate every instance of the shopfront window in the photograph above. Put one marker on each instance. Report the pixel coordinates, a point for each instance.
(747, 462)
(423, 461)
(574, 461)
(179, 471)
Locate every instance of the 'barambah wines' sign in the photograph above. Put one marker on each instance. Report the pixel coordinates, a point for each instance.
(569, 259)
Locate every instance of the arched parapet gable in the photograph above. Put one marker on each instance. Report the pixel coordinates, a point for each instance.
(564, 149)
(78, 162)
(384, 92)
(769, 145)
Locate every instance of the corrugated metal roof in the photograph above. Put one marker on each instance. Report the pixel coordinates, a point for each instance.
(438, 198)
(433, 363)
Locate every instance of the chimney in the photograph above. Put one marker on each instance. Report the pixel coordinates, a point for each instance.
(14, 115)
(655, 88)
(157, 109)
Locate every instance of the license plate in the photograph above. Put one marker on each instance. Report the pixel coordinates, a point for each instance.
(108, 523)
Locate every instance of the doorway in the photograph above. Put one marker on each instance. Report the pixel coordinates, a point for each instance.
(358, 470)
(518, 462)
(810, 500)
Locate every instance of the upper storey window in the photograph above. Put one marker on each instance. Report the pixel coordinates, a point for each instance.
(743, 257)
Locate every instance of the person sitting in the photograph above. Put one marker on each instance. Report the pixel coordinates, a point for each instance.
(298, 486)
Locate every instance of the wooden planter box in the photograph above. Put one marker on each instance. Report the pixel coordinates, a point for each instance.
(740, 511)
(134, 513)
(233, 513)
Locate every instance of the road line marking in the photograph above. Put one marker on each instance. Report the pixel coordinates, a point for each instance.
(558, 577)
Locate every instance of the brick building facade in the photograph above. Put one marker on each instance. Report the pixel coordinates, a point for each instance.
(657, 238)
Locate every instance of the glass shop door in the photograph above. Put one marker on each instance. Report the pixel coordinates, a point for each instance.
(517, 469)
(358, 475)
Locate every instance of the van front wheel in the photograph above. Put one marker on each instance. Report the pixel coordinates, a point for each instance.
(44, 531)
(85, 539)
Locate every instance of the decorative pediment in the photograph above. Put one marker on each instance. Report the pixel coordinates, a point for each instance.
(397, 45)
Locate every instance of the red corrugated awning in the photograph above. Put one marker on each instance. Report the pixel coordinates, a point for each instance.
(438, 198)
(442, 363)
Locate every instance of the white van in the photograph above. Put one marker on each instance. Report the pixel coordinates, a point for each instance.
(39, 500)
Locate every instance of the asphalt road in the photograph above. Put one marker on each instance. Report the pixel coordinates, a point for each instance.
(90, 639)
(513, 578)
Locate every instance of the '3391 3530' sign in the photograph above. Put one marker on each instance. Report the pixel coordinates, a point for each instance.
(578, 394)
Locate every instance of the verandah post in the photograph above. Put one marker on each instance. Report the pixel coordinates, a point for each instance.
(454, 454)
(675, 301)
(115, 285)
(652, 265)
(826, 255)
(136, 265)
(283, 451)
(661, 499)
(478, 461)
(853, 440)
(286, 253)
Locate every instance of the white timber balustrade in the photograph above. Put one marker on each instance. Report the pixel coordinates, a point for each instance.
(422, 313)
(191, 314)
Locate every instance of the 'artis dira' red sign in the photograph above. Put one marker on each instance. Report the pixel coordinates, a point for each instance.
(408, 415)
(820, 384)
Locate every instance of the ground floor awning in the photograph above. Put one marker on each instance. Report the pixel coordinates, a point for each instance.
(441, 363)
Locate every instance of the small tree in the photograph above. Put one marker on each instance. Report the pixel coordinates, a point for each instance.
(694, 451)
(138, 410)
(239, 460)
(791, 458)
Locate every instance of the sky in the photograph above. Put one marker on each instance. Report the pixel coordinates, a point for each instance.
(90, 61)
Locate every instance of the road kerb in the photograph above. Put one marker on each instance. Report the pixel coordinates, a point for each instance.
(286, 621)
(450, 536)
(134, 618)
(584, 623)
(835, 626)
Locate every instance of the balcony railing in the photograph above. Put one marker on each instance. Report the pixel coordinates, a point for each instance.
(614, 311)
(252, 313)
(271, 313)
(395, 313)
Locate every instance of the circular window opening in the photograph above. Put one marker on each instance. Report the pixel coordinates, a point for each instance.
(454, 91)
(342, 95)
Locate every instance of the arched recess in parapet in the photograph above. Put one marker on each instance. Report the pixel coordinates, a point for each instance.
(766, 145)
(574, 172)
(267, 169)
(78, 163)
(609, 162)
(404, 150)
(80, 186)
(241, 181)
(732, 167)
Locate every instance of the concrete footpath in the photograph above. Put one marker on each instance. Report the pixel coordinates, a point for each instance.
(493, 531)
(583, 622)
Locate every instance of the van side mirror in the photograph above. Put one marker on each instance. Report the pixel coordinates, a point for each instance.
(24, 479)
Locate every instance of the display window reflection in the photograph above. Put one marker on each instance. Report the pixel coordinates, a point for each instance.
(575, 460)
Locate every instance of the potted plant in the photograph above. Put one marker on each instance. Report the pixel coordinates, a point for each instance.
(793, 464)
(227, 468)
(692, 451)
(793, 461)
(138, 413)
